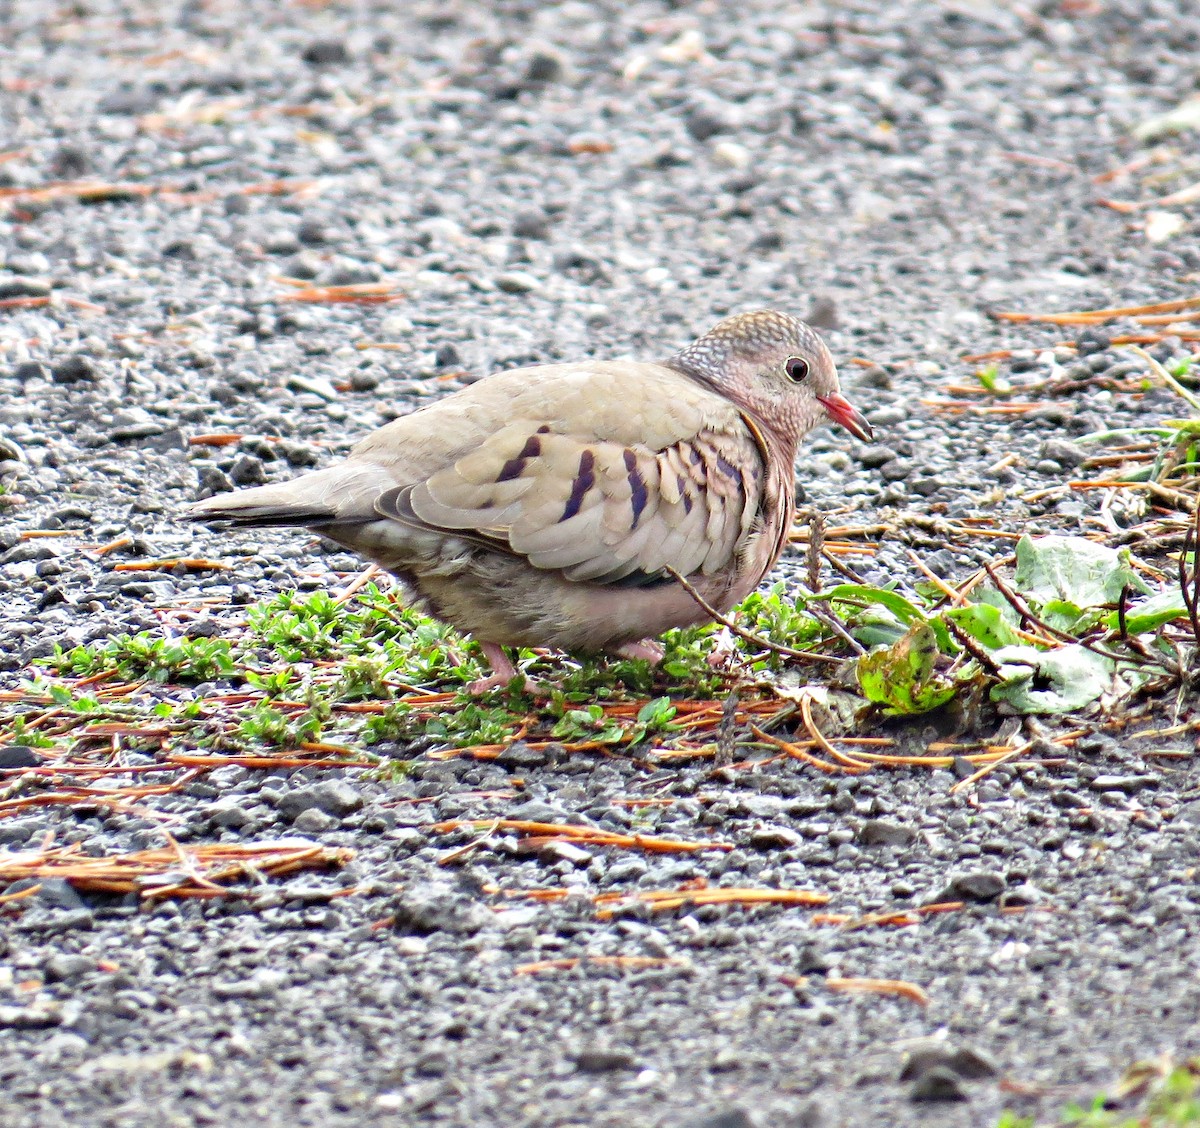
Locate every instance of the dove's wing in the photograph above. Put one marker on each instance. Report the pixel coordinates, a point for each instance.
(613, 480)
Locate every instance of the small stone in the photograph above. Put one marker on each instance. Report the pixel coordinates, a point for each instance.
(727, 1118)
(281, 243)
(33, 1017)
(334, 797)
(59, 894)
(19, 287)
(597, 1060)
(732, 155)
(941, 1059)
(30, 370)
(774, 838)
(1063, 452)
(1037, 959)
(938, 1084)
(878, 832)
(18, 756)
(1188, 813)
(517, 282)
(531, 223)
(64, 966)
(447, 356)
(1023, 894)
(872, 457)
(265, 981)
(521, 755)
(325, 53)
(314, 385)
(976, 886)
(565, 852)
(438, 907)
(76, 369)
(704, 122)
(247, 470)
(212, 480)
(313, 821)
(1092, 341)
(1129, 784)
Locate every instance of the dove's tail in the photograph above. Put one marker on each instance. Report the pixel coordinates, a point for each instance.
(264, 506)
(339, 493)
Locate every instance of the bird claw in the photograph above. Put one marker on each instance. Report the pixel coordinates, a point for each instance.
(647, 650)
(503, 672)
(531, 686)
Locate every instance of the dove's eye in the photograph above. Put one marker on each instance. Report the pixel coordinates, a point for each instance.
(797, 369)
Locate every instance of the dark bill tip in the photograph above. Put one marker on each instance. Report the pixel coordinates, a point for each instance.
(841, 411)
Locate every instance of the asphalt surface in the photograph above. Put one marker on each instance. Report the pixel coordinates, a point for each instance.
(544, 182)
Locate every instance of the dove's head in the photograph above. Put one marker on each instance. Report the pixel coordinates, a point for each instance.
(775, 366)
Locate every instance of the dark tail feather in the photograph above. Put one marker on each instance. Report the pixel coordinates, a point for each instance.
(264, 520)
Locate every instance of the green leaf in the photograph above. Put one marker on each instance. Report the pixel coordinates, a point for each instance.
(901, 677)
(1152, 613)
(1073, 570)
(904, 610)
(1051, 681)
(985, 624)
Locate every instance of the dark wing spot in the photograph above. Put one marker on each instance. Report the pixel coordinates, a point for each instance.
(684, 494)
(514, 467)
(697, 458)
(728, 469)
(639, 495)
(510, 470)
(584, 481)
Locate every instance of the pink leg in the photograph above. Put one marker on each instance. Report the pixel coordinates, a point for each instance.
(647, 650)
(503, 672)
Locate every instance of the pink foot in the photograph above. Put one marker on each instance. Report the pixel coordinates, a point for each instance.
(647, 650)
(503, 672)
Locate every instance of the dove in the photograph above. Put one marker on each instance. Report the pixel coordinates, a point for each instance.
(559, 505)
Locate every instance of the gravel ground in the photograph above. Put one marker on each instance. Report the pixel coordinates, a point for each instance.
(544, 182)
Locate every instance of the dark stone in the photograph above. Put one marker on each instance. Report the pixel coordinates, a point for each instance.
(604, 1061)
(976, 886)
(75, 369)
(1129, 784)
(438, 907)
(326, 53)
(19, 287)
(334, 797)
(1091, 341)
(936, 1071)
(447, 356)
(823, 313)
(872, 457)
(939, 1084)
(1063, 452)
(247, 470)
(18, 756)
(64, 966)
(30, 370)
(878, 832)
(59, 894)
(730, 1118)
(704, 122)
(129, 100)
(521, 755)
(531, 223)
